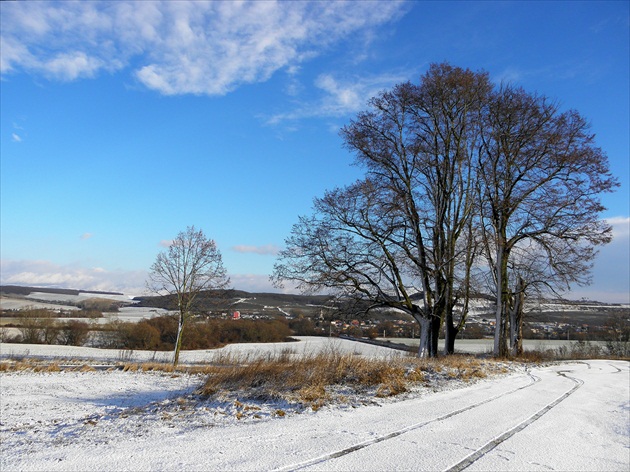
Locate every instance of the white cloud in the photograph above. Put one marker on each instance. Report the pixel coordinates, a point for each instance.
(179, 47)
(611, 272)
(71, 66)
(46, 274)
(41, 273)
(269, 249)
(621, 226)
(342, 96)
(16, 138)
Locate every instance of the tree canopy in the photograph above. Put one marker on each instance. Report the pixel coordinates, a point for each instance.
(465, 182)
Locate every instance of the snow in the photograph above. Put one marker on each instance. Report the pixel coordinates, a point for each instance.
(8, 303)
(565, 416)
(305, 344)
(82, 296)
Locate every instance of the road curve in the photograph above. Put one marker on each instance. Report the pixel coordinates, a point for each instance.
(569, 416)
(554, 420)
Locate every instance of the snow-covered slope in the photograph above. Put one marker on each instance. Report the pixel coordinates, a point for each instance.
(572, 416)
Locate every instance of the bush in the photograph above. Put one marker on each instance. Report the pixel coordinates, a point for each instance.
(167, 327)
(302, 326)
(30, 330)
(74, 333)
(99, 305)
(141, 335)
(160, 333)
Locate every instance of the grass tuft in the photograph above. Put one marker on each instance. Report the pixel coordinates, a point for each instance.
(318, 379)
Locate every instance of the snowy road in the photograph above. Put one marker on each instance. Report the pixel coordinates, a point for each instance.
(572, 416)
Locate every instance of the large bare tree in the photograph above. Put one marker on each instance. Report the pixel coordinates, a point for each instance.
(418, 144)
(191, 264)
(456, 168)
(540, 177)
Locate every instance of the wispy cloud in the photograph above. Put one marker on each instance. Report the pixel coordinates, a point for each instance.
(266, 250)
(16, 138)
(258, 283)
(85, 236)
(340, 96)
(165, 243)
(179, 47)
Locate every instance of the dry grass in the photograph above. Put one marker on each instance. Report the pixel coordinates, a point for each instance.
(311, 380)
(317, 380)
(306, 376)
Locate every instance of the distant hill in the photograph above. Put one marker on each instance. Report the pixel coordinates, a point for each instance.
(246, 302)
(24, 291)
(224, 301)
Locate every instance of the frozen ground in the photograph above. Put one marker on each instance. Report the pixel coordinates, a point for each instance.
(54, 301)
(306, 344)
(569, 416)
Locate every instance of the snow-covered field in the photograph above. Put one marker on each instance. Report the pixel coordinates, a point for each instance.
(568, 416)
(305, 345)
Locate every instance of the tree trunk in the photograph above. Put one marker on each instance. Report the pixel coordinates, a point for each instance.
(178, 342)
(423, 348)
(450, 333)
(516, 330)
(435, 335)
(501, 314)
(511, 304)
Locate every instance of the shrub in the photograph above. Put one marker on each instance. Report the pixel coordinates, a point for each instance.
(30, 330)
(160, 333)
(99, 305)
(74, 333)
(167, 327)
(141, 335)
(302, 326)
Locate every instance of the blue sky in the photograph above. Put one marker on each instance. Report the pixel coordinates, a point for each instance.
(124, 122)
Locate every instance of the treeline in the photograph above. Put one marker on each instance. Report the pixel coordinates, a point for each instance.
(86, 312)
(158, 334)
(23, 290)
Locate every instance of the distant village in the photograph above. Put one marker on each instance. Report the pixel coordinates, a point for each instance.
(479, 324)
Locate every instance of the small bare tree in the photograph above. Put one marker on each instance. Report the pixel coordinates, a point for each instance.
(191, 264)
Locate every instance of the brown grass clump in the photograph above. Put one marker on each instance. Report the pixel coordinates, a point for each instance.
(306, 377)
(312, 380)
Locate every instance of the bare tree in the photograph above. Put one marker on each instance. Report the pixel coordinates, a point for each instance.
(455, 168)
(190, 265)
(421, 142)
(540, 176)
(352, 246)
(417, 144)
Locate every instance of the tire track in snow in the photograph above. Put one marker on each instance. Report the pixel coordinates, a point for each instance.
(479, 453)
(333, 455)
